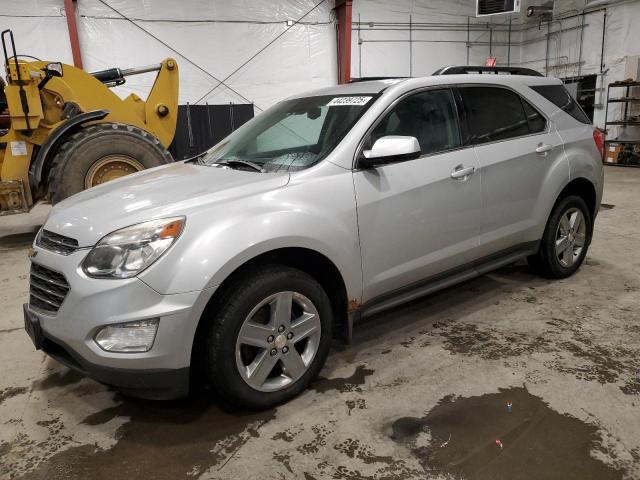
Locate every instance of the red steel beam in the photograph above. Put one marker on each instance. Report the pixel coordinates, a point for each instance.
(343, 12)
(70, 10)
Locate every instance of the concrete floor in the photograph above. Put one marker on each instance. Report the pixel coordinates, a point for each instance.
(421, 393)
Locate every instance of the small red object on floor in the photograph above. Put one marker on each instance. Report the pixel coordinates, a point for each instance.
(499, 443)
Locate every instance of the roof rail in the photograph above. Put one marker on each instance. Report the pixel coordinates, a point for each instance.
(462, 69)
(370, 79)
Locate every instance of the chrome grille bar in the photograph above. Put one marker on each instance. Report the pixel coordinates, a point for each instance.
(56, 243)
(48, 289)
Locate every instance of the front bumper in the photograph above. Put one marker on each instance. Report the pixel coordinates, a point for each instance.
(160, 384)
(68, 335)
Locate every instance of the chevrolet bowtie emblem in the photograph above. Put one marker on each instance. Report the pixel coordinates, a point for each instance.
(31, 252)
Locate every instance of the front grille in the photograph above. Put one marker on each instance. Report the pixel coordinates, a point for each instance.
(48, 289)
(56, 243)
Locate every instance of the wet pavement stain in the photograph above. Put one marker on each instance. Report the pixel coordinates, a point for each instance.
(10, 392)
(288, 435)
(488, 344)
(538, 442)
(358, 403)
(162, 440)
(348, 384)
(386, 467)
(568, 341)
(320, 434)
(63, 378)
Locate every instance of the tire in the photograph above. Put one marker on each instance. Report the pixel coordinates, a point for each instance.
(227, 357)
(131, 148)
(549, 262)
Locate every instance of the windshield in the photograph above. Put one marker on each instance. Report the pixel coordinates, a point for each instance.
(293, 134)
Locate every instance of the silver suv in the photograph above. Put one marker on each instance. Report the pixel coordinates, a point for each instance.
(237, 268)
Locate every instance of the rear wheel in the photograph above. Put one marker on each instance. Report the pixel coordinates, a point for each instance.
(100, 153)
(270, 338)
(566, 239)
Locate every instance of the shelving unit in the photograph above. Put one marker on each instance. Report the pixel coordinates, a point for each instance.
(627, 144)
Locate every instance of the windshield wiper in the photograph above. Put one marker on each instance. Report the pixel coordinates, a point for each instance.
(240, 163)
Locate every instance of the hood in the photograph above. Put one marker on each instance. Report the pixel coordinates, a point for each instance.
(170, 190)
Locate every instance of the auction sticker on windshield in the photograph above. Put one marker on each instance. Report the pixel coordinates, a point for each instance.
(348, 101)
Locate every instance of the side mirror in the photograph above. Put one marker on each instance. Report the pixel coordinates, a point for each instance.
(390, 149)
(53, 69)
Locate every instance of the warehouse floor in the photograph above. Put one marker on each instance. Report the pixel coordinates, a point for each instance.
(421, 393)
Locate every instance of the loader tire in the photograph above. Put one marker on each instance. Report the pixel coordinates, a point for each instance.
(99, 153)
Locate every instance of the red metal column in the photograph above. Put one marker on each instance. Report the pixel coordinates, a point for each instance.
(343, 12)
(70, 10)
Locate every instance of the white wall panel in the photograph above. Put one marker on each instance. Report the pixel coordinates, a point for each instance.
(217, 35)
(529, 48)
(39, 28)
(431, 49)
(220, 35)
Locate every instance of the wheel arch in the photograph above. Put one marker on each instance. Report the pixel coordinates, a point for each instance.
(47, 150)
(310, 261)
(585, 189)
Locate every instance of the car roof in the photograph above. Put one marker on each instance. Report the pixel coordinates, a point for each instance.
(377, 86)
(368, 87)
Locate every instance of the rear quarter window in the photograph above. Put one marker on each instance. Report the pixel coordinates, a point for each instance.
(561, 98)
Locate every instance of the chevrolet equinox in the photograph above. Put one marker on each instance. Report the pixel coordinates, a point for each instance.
(242, 264)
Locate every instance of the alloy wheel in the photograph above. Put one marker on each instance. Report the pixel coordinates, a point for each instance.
(277, 341)
(570, 237)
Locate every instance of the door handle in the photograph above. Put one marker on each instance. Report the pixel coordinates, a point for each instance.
(462, 173)
(544, 148)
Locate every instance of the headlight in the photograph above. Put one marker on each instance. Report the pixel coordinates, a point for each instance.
(128, 337)
(128, 251)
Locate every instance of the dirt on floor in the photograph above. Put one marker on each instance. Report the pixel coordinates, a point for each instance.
(423, 391)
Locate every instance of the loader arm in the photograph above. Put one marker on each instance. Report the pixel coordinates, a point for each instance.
(56, 112)
(161, 108)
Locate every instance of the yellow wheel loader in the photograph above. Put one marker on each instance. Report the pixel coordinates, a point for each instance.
(62, 130)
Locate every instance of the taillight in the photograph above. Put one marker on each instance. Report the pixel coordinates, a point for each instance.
(598, 137)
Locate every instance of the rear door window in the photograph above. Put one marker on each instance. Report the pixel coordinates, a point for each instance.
(493, 114)
(560, 97)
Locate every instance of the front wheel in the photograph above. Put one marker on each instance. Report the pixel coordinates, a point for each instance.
(566, 239)
(270, 338)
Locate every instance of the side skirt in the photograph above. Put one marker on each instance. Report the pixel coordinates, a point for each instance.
(441, 281)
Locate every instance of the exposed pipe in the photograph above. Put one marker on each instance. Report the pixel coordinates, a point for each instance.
(542, 60)
(604, 31)
(509, 45)
(581, 43)
(359, 50)
(70, 12)
(478, 43)
(490, 42)
(444, 28)
(410, 49)
(546, 55)
(600, 3)
(468, 38)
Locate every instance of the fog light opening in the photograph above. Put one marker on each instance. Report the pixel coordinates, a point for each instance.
(129, 337)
